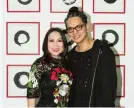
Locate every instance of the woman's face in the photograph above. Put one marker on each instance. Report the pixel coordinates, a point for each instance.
(55, 44)
(76, 29)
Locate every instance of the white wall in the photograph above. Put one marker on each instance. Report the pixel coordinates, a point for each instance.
(1, 55)
(29, 52)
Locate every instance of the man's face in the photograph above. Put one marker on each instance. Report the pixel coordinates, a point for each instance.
(76, 29)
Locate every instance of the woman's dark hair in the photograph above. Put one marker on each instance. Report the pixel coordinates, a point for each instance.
(46, 54)
(75, 12)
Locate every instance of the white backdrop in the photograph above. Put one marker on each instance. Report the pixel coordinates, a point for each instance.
(22, 29)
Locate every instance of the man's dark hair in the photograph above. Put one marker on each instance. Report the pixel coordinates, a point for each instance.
(75, 12)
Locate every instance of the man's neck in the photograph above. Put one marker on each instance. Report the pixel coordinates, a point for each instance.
(85, 45)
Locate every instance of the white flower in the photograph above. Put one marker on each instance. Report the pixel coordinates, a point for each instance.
(70, 82)
(35, 82)
(63, 89)
(58, 83)
(34, 79)
(56, 101)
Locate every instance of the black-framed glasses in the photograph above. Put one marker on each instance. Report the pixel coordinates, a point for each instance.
(77, 28)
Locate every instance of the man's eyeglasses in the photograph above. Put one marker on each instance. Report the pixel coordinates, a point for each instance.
(77, 28)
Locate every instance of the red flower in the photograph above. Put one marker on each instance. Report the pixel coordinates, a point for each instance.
(64, 70)
(57, 70)
(59, 99)
(66, 97)
(53, 73)
(53, 76)
(54, 91)
(70, 74)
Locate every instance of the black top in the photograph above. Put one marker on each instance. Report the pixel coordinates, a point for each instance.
(83, 67)
(43, 79)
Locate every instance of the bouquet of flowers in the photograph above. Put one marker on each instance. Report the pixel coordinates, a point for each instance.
(61, 91)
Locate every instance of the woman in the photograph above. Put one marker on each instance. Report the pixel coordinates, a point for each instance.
(92, 63)
(49, 79)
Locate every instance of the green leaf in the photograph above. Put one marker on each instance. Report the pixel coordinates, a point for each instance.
(30, 85)
(33, 68)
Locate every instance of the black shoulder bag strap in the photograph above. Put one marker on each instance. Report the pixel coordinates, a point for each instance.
(95, 59)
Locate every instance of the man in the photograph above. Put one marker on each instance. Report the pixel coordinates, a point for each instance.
(92, 63)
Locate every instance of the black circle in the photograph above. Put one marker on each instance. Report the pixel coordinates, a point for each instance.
(69, 3)
(110, 1)
(114, 33)
(24, 3)
(17, 36)
(17, 82)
